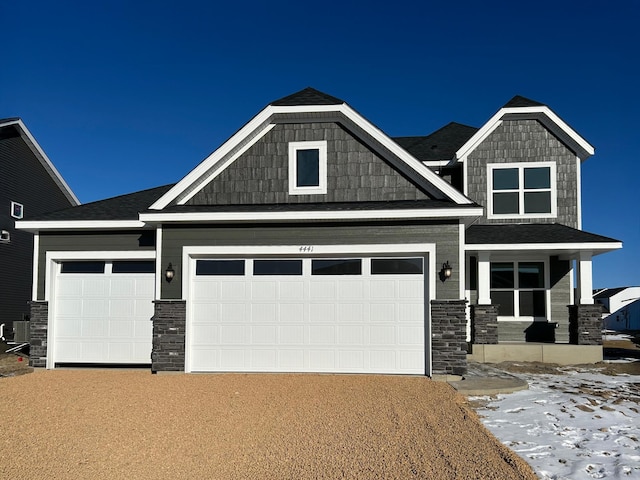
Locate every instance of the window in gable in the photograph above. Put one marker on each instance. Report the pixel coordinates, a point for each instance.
(524, 189)
(307, 168)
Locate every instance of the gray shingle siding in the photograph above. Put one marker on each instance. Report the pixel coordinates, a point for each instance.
(354, 172)
(445, 235)
(525, 141)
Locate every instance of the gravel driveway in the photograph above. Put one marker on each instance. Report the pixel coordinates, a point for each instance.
(132, 424)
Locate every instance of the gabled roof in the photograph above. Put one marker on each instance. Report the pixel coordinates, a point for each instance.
(308, 96)
(18, 124)
(115, 211)
(518, 108)
(439, 145)
(304, 103)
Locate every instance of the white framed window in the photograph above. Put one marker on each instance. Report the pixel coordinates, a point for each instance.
(17, 210)
(521, 190)
(307, 168)
(520, 288)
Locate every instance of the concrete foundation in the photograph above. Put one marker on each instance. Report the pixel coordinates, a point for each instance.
(560, 353)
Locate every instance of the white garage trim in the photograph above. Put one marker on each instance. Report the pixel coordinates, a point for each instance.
(53, 259)
(428, 251)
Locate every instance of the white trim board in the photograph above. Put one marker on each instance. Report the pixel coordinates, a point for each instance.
(62, 225)
(309, 215)
(596, 248)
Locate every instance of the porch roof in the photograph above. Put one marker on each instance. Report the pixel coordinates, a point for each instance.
(551, 237)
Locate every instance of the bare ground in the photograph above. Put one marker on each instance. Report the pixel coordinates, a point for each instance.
(132, 424)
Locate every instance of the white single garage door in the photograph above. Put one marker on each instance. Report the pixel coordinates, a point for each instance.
(103, 312)
(341, 315)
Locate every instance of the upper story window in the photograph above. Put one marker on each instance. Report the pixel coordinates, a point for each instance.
(307, 168)
(521, 189)
(17, 210)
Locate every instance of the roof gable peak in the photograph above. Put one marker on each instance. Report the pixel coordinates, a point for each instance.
(307, 96)
(520, 101)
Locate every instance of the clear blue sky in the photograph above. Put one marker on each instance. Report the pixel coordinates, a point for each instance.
(128, 95)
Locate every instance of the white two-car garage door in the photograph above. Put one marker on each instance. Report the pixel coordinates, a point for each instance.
(103, 312)
(341, 315)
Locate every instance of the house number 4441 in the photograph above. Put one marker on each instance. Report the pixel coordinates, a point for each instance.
(306, 249)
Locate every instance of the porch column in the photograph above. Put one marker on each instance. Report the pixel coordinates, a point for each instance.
(585, 281)
(484, 278)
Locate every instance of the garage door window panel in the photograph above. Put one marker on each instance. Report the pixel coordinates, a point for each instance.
(396, 266)
(133, 267)
(220, 267)
(277, 267)
(82, 267)
(347, 266)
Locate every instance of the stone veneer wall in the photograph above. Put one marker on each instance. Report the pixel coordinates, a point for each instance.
(38, 326)
(585, 324)
(169, 322)
(484, 319)
(449, 337)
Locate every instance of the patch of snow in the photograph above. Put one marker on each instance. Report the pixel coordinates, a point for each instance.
(612, 335)
(578, 425)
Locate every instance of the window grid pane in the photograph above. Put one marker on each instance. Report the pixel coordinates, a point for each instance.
(502, 275)
(539, 177)
(506, 203)
(537, 202)
(505, 179)
(396, 266)
(277, 267)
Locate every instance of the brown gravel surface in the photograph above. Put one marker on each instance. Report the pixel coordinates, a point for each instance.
(132, 424)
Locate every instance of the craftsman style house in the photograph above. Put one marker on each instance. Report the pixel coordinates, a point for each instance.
(310, 241)
(29, 186)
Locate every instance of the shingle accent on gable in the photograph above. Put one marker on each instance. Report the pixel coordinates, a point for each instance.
(354, 172)
(526, 141)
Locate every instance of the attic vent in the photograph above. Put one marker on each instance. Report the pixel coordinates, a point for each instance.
(5, 236)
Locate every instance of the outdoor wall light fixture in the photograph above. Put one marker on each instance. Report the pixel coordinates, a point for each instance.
(169, 272)
(446, 271)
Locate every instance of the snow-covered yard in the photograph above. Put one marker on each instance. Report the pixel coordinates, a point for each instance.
(578, 424)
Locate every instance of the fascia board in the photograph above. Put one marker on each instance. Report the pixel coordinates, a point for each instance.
(36, 226)
(306, 215)
(495, 121)
(601, 247)
(209, 163)
(48, 165)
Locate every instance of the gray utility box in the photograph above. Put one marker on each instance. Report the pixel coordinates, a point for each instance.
(21, 332)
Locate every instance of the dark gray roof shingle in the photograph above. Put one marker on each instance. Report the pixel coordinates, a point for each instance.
(530, 233)
(519, 101)
(439, 145)
(123, 207)
(308, 96)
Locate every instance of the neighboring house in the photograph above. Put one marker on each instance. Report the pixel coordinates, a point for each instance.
(29, 186)
(621, 307)
(310, 241)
